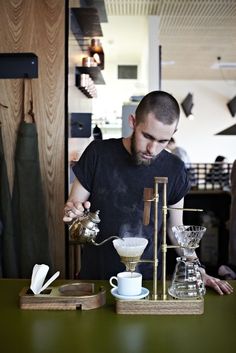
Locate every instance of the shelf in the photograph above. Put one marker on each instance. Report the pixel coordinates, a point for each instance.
(99, 5)
(94, 72)
(85, 22)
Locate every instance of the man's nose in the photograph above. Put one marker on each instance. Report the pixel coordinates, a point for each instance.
(152, 148)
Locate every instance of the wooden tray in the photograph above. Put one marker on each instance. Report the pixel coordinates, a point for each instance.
(73, 296)
(169, 306)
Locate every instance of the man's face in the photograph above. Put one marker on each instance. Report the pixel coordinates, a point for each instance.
(149, 138)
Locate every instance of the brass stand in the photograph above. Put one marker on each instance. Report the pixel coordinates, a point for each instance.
(163, 304)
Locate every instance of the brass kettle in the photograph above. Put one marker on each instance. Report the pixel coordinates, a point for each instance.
(85, 229)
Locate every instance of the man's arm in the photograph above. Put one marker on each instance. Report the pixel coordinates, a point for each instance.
(175, 219)
(76, 202)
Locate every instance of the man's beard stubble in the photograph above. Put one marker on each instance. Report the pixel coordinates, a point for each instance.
(137, 156)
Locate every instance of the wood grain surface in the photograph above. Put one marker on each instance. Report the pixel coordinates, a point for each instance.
(84, 296)
(39, 27)
(160, 307)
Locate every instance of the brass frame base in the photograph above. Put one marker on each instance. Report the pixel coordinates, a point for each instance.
(169, 306)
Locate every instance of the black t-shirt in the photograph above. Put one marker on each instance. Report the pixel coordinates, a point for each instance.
(116, 185)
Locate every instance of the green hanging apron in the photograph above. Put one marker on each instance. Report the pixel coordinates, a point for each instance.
(8, 262)
(28, 201)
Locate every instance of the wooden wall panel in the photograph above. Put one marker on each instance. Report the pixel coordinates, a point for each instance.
(39, 27)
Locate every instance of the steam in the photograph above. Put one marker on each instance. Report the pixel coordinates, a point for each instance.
(128, 230)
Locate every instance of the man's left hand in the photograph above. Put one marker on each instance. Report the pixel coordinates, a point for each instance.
(220, 286)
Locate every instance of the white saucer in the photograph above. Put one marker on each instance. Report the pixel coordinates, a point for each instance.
(143, 294)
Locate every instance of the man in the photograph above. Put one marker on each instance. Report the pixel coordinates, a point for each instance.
(178, 151)
(111, 176)
(229, 271)
(183, 155)
(232, 220)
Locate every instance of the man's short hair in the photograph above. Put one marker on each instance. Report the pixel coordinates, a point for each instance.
(162, 104)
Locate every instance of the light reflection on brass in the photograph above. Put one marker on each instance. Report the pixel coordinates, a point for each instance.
(130, 262)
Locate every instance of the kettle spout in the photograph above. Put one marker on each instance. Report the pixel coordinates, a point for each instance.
(104, 241)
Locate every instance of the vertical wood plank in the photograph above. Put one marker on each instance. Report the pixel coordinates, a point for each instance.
(39, 27)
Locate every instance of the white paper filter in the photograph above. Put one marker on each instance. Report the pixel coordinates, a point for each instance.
(39, 274)
(130, 247)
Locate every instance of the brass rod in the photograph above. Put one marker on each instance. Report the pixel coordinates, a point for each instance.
(178, 208)
(164, 248)
(173, 246)
(181, 247)
(184, 209)
(148, 260)
(155, 250)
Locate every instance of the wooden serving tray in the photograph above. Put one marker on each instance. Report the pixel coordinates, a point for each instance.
(169, 306)
(73, 296)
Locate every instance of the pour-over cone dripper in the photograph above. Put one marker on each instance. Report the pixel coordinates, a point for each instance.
(130, 250)
(188, 237)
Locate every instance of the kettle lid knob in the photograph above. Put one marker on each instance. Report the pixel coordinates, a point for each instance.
(93, 216)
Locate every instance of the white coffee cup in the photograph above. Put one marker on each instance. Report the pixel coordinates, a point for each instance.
(127, 283)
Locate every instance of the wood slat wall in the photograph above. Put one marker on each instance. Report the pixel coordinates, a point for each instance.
(39, 27)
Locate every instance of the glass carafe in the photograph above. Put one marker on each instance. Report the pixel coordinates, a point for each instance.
(187, 280)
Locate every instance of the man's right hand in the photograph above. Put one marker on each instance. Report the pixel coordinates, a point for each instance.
(74, 210)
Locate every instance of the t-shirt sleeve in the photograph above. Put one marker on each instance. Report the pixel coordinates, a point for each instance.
(84, 168)
(180, 187)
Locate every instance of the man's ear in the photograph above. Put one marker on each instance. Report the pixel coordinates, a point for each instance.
(132, 121)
